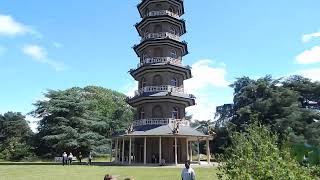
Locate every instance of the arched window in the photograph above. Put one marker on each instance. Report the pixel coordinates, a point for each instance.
(157, 80)
(157, 112)
(157, 28)
(173, 30)
(143, 83)
(171, 9)
(175, 113)
(173, 53)
(174, 82)
(142, 114)
(158, 6)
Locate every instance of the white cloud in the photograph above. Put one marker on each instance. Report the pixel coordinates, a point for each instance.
(309, 37)
(313, 74)
(35, 51)
(10, 27)
(204, 109)
(206, 77)
(40, 54)
(130, 88)
(33, 122)
(309, 56)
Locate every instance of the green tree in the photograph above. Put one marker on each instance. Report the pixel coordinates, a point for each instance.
(15, 149)
(308, 90)
(15, 137)
(254, 154)
(14, 124)
(205, 126)
(276, 103)
(80, 119)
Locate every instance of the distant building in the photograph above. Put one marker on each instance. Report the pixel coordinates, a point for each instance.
(160, 130)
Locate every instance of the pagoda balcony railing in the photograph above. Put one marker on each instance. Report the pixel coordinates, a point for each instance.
(162, 13)
(161, 35)
(156, 60)
(165, 88)
(161, 121)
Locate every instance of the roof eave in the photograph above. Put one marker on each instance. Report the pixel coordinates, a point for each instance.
(181, 44)
(181, 21)
(139, 6)
(184, 100)
(186, 70)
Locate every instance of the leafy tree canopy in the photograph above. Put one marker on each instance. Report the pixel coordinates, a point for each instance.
(80, 119)
(13, 124)
(15, 137)
(289, 106)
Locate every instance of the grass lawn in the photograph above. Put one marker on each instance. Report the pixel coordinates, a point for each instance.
(76, 172)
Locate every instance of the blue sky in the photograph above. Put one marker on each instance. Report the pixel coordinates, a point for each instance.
(60, 44)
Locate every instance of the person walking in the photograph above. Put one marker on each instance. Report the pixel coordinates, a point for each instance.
(64, 158)
(188, 173)
(70, 157)
(90, 158)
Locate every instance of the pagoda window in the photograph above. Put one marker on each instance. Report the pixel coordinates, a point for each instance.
(175, 113)
(142, 114)
(157, 112)
(143, 83)
(173, 53)
(174, 82)
(173, 30)
(158, 6)
(171, 9)
(157, 80)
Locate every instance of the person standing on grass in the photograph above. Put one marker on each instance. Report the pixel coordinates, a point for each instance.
(70, 158)
(90, 158)
(153, 158)
(64, 158)
(188, 173)
(80, 157)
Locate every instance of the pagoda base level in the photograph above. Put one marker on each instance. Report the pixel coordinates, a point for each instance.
(158, 150)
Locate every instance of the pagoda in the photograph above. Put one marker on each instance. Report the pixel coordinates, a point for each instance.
(160, 133)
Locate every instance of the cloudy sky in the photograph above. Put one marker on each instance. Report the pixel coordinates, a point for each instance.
(60, 44)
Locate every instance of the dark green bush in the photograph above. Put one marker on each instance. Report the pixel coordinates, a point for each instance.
(255, 154)
(14, 149)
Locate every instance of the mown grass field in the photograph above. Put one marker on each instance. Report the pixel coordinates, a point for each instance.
(83, 172)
